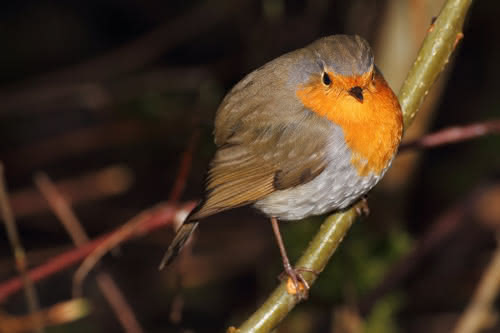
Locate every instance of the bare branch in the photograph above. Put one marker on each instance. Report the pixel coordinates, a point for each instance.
(184, 168)
(453, 135)
(107, 285)
(154, 218)
(479, 314)
(17, 248)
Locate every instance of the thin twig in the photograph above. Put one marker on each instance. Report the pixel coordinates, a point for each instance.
(479, 314)
(453, 135)
(17, 248)
(184, 169)
(105, 282)
(431, 60)
(175, 194)
(61, 209)
(118, 237)
(118, 302)
(157, 217)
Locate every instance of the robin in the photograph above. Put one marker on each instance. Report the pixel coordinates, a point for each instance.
(310, 132)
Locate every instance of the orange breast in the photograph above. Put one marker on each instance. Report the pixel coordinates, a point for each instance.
(372, 129)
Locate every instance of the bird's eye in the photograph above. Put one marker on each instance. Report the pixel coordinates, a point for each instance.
(326, 79)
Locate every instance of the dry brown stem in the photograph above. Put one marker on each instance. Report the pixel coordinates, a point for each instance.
(17, 248)
(479, 314)
(123, 311)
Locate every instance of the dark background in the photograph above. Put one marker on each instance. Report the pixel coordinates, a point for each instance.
(90, 85)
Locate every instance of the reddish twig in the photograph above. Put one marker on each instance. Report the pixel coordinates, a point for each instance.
(105, 282)
(453, 135)
(154, 218)
(184, 169)
(18, 250)
(175, 194)
(118, 237)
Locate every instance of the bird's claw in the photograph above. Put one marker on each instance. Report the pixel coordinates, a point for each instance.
(295, 283)
(362, 207)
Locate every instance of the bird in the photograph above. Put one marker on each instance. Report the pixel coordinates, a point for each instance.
(308, 133)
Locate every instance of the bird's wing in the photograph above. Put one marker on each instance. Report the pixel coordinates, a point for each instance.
(264, 154)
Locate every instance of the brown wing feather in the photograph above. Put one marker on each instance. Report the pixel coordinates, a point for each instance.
(255, 163)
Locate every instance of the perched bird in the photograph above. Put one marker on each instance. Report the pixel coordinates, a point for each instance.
(310, 132)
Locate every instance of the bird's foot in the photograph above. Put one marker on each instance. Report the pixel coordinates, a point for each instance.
(362, 207)
(295, 283)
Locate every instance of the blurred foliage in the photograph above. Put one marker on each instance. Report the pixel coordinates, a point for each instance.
(382, 319)
(360, 263)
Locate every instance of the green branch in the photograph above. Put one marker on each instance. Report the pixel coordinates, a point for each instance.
(431, 60)
(432, 57)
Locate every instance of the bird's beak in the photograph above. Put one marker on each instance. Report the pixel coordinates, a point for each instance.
(357, 92)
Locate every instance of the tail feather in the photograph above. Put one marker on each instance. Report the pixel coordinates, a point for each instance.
(180, 239)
